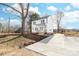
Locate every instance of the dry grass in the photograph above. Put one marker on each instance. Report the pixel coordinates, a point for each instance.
(18, 42)
(11, 47)
(12, 51)
(72, 34)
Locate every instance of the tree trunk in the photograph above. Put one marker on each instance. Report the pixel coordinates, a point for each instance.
(23, 27)
(30, 26)
(58, 28)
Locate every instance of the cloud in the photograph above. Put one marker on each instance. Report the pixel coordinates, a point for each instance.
(70, 18)
(75, 5)
(67, 8)
(11, 11)
(52, 8)
(66, 20)
(1, 18)
(34, 9)
(2, 21)
(13, 22)
(72, 14)
(16, 6)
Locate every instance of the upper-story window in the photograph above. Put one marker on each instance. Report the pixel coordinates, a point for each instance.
(34, 22)
(42, 21)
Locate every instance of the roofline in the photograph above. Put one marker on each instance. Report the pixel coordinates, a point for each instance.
(41, 17)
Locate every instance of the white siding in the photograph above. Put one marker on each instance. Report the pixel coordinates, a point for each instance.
(48, 25)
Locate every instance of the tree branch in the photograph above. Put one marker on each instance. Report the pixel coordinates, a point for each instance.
(22, 8)
(27, 10)
(10, 7)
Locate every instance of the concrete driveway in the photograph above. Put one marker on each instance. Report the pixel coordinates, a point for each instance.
(57, 45)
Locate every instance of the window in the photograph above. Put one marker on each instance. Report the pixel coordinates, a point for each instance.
(50, 30)
(46, 20)
(36, 29)
(42, 21)
(41, 28)
(34, 22)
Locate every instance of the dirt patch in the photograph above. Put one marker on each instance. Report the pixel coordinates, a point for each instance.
(35, 37)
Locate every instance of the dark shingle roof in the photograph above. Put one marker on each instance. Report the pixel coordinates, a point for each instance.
(43, 17)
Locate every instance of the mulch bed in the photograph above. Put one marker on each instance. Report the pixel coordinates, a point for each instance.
(35, 37)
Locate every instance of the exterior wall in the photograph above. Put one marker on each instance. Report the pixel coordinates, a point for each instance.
(37, 26)
(44, 25)
(49, 25)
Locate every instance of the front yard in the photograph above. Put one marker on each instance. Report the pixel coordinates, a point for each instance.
(14, 45)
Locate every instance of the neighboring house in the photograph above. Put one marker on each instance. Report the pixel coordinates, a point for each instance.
(44, 24)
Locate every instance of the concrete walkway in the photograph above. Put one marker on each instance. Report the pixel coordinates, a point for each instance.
(57, 45)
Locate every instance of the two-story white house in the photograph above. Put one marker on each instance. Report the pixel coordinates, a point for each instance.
(44, 24)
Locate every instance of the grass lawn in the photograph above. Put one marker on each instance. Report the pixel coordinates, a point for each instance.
(14, 45)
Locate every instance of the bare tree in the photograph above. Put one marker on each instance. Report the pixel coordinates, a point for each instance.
(9, 25)
(59, 15)
(0, 27)
(23, 13)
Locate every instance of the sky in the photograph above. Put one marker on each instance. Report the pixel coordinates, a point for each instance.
(70, 19)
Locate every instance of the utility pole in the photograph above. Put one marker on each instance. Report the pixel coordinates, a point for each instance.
(8, 25)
